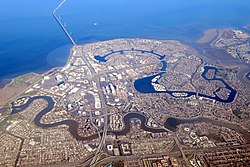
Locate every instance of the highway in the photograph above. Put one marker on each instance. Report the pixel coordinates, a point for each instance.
(104, 107)
(134, 157)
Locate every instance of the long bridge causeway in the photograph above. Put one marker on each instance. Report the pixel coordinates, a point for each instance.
(62, 26)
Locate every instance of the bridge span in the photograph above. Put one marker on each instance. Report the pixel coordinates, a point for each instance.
(62, 26)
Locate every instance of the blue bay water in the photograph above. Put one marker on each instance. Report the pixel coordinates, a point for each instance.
(31, 39)
(28, 33)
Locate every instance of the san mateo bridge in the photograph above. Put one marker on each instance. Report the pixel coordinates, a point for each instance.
(61, 24)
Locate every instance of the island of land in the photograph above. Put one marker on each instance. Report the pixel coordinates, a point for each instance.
(133, 102)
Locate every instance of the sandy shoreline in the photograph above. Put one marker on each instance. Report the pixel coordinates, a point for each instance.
(208, 36)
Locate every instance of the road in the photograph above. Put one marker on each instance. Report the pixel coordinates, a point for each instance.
(179, 146)
(104, 107)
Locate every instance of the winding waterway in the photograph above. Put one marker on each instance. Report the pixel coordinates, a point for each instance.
(73, 125)
(142, 85)
(170, 124)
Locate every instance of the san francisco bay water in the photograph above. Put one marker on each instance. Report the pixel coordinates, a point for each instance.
(31, 39)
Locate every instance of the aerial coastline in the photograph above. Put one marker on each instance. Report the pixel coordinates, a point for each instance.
(109, 96)
(247, 27)
(219, 55)
(98, 93)
(208, 36)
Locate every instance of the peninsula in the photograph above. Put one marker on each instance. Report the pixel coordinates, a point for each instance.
(153, 99)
